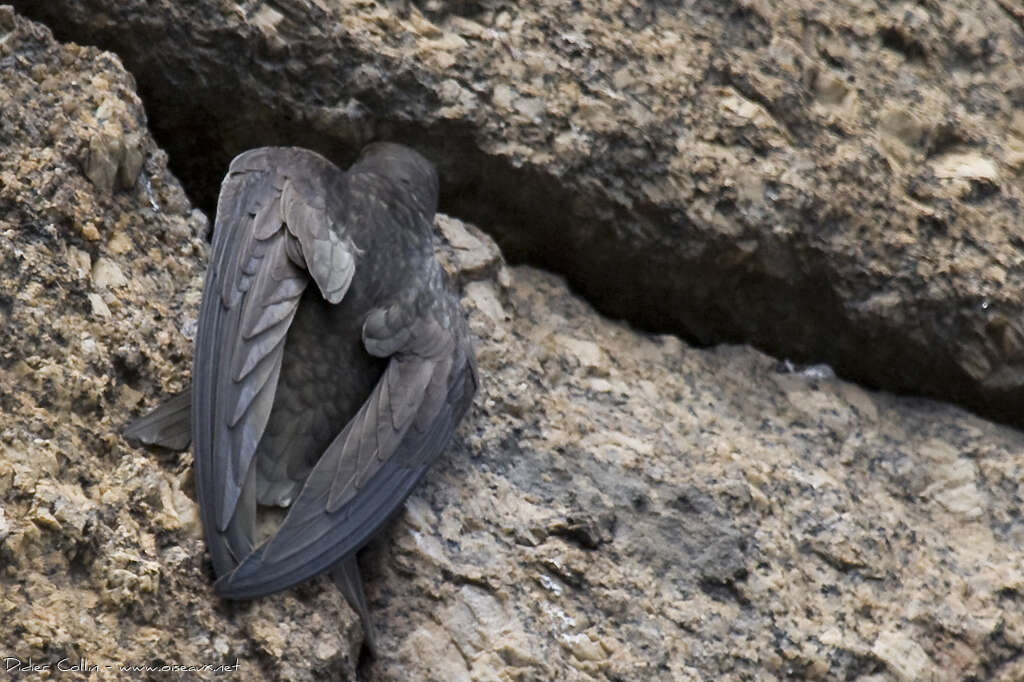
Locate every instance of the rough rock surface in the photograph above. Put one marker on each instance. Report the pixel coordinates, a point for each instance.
(616, 506)
(832, 182)
(101, 264)
(625, 507)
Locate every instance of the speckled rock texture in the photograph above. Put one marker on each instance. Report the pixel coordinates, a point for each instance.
(616, 506)
(628, 508)
(101, 265)
(831, 182)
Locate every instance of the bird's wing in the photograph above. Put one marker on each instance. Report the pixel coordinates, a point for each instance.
(272, 233)
(373, 464)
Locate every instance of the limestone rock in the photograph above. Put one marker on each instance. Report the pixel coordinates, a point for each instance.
(835, 183)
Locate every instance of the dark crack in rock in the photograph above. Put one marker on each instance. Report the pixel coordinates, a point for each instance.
(835, 183)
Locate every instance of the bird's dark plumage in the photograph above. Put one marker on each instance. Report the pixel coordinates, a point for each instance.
(332, 363)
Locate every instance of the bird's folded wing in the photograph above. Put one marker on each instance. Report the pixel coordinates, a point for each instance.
(272, 232)
(373, 464)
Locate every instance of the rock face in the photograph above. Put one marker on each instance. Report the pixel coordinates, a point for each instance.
(625, 507)
(831, 182)
(616, 506)
(101, 265)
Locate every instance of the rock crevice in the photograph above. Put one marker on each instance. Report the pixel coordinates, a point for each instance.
(831, 184)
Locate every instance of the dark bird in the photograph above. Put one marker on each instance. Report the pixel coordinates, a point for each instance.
(330, 399)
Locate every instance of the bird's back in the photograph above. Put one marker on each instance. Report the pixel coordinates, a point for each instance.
(326, 372)
(326, 375)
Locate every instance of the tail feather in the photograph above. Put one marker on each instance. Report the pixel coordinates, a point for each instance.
(169, 425)
(345, 574)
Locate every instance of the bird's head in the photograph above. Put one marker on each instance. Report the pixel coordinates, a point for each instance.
(412, 174)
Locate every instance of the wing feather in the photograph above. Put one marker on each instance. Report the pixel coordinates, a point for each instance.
(263, 235)
(372, 465)
(316, 539)
(328, 256)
